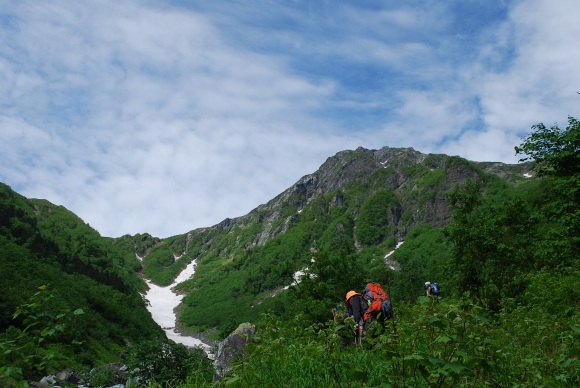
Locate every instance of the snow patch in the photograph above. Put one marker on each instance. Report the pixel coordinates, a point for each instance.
(298, 275)
(392, 264)
(393, 251)
(162, 304)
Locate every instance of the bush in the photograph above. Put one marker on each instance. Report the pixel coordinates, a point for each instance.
(168, 363)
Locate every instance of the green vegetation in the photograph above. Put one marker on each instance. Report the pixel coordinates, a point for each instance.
(376, 217)
(510, 315)
(423, 257)
(40, 342)
(430, 343)
(503, 250)
(556, 154)
(493, 245)
(47, 248)
(169, 364)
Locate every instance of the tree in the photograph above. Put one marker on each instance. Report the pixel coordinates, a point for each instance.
(492, 245)
(555, 151)
(326, 281)
(168, 363)
(556, 154)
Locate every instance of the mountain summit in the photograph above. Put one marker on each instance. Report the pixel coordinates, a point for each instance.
(357, 200)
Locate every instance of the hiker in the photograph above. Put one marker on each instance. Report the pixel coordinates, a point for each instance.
(379, 308)
(432, 289)
(358, 306)
(373, 305)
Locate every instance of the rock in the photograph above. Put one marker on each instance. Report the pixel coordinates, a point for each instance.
(68, 377)
(233, 347)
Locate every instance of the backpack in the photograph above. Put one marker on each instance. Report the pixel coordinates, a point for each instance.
(378, 302)
(435, 289)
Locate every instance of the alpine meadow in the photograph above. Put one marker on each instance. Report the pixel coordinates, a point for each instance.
(502, 241)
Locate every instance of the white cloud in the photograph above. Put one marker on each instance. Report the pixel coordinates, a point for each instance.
(147, 118)
(487, 146)
(542, 80)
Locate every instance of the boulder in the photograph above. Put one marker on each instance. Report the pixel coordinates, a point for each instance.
(233, 348)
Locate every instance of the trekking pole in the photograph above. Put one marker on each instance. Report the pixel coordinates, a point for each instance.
(389, 291)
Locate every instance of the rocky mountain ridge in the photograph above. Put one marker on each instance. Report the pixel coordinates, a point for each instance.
(346, 167)
(356, 200)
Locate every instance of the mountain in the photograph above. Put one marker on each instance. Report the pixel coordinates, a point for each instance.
(353, 210)
(358, 202)
(500, 241)
(65, 287)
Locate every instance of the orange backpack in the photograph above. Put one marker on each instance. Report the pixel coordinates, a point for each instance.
(378, 302)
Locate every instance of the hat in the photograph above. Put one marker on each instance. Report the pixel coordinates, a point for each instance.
(349, 295)
(427, 283)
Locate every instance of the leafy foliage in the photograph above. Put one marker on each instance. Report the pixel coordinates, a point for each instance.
(556, 153)
(507, 261)
(423, 257)
(42, 244)
(29, 351)
(431, 343)
(168, 363)
(492, 245)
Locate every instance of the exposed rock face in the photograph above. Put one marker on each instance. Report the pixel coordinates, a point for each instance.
(233, 347)
(397, 165)
(410, 187)
(403, 170)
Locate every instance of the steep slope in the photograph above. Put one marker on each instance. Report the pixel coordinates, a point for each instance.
(46, 247)
(359, 202)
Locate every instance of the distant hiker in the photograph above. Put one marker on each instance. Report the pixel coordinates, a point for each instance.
(432, 289)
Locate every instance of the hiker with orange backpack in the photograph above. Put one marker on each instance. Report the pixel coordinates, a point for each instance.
(379, 304)
(370, 305)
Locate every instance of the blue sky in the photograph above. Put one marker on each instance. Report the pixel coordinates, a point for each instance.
(162, 117)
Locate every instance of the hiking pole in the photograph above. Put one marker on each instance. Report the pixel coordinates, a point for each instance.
(389, 291)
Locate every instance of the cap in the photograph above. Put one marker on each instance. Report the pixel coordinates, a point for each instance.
(349, 295)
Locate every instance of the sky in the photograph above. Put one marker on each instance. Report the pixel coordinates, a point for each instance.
(163, 117)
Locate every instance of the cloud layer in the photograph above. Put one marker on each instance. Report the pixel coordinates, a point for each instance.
(161, 119)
